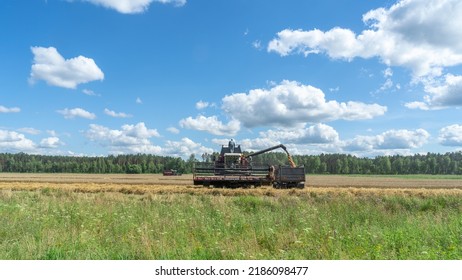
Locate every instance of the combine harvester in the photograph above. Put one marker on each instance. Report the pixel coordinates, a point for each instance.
(233, 169)
(171, 172)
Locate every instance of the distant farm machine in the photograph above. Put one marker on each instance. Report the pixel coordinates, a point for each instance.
(171, 172)
(232, 169)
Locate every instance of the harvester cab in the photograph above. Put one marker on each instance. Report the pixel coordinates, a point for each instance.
(229, 156)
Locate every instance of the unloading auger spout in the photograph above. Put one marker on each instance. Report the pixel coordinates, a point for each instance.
(289, 157)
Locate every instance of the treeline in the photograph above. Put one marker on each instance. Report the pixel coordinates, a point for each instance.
(430, 163)
(132, 164)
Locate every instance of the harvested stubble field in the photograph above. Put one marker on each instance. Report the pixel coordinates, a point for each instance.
(158, 184)
(75, 216)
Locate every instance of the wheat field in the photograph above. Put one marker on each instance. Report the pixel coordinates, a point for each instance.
(158, 184)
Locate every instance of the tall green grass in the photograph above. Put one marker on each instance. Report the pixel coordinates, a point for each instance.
(58, 224)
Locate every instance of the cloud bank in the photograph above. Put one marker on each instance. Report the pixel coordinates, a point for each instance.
(412, 33)
(422, 36)
(389, 140)
(290, 104)
(211, 125)
(129, 139)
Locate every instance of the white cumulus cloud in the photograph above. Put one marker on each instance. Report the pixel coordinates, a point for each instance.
(441, 94)
(420, 35)
(132, 6)
(116, 115)
(14, 142)
(4, 109)
(51, 143)
(316, 134)
(202, 105)
(291, 103)
(11, 141)
(54, 69)
(76, 113)
(185, 148)
(128, 139)
(389, 140)
(211, 125)
(451, 135)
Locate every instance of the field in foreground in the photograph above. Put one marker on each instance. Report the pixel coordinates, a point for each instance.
(46, 219)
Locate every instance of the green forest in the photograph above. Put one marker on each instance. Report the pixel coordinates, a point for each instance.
(430, 163)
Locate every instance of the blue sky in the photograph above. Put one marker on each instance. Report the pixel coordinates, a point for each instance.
(176, 77)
